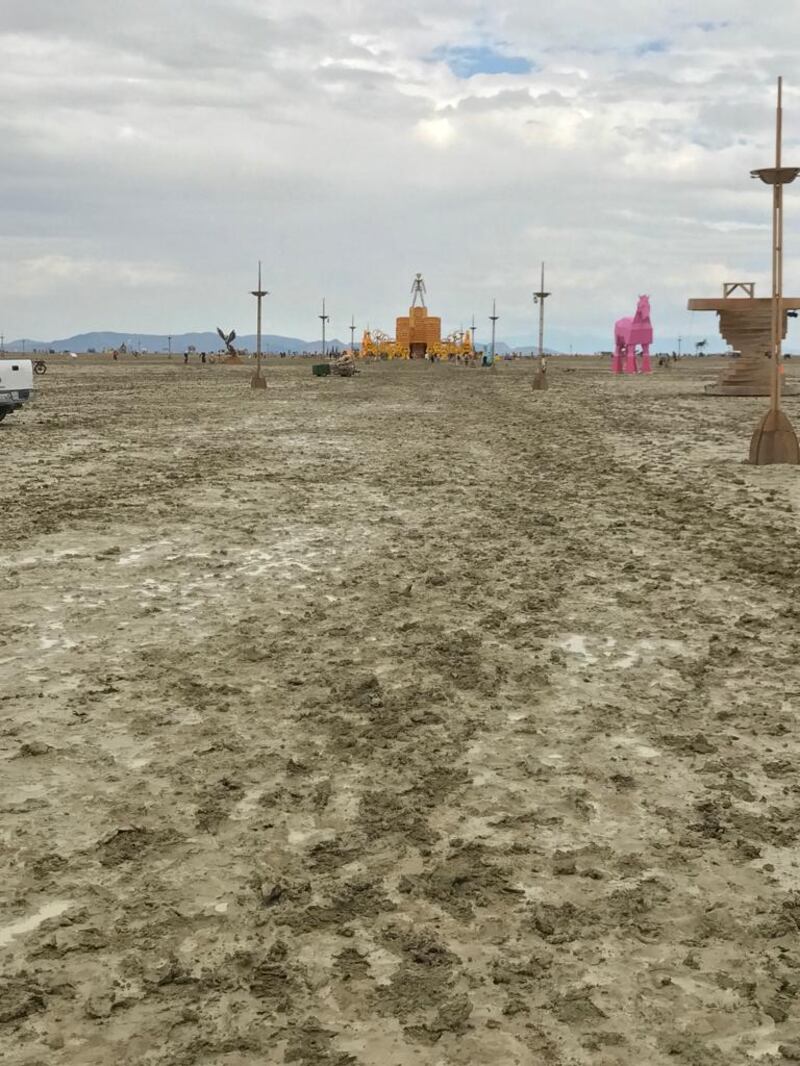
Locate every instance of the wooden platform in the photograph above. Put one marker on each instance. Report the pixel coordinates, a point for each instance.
(746, 324)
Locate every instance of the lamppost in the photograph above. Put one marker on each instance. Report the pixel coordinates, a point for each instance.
(353, 335)
(257, 380)
(774, 439)
(493, 318)
(169, 343)
(539, 298)
(472, 331)
(325, 318)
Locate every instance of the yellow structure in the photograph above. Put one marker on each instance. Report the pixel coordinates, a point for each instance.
(418, 332)
(367, 349)
(418, 335)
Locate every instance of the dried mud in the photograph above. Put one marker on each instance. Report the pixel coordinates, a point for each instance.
(411, 719)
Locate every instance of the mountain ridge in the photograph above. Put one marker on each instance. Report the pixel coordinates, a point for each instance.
(201, 341)
(158, 343)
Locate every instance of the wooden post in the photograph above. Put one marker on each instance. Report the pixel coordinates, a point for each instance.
(493, 317)
(774, 440)
(257, 380)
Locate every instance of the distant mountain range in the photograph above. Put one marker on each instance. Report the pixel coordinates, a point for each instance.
(158, 343)
(201, 342)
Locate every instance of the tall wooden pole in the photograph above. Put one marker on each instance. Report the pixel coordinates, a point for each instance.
(324, 318)
(494, 316)
(257, 380)
(777, 258)
(775, 440)
(258, 321)
(541, 316)
(539, 298)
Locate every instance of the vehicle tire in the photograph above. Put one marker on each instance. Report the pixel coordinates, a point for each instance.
(3, 415)
(39, 367)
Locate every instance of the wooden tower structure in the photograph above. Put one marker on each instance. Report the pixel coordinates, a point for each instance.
(746, 323)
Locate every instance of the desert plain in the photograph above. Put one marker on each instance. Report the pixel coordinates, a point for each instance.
(413, 719)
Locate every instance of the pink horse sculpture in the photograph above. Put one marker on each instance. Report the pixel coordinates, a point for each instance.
(630, 332)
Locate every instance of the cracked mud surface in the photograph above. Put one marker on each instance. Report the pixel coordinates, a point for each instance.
(414, 719)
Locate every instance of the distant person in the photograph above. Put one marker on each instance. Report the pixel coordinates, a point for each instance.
(203, 357)
(185, 358)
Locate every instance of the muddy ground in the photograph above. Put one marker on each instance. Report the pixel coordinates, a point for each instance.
(414, 719)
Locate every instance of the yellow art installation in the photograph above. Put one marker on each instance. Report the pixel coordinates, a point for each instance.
(418, 335)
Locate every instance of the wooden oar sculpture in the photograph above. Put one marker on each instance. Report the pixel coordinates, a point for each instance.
(774, 440)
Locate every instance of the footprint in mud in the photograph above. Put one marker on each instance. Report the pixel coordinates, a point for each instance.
(466, 880)
(577, 1008)
(217, 803)
(451, 1017)
(19, 998)
(422, 993)
(129, 843)
(351, 965)
(310, 1044)
(356, 899)
(425, 979)
(273, 978)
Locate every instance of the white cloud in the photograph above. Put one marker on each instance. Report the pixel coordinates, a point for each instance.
(44, 276)
(439, 132)
(189, 139)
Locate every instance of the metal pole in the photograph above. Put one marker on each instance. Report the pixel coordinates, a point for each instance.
(324, 318)
(258, 322)
(353, 335)
(472, 330)
(541, 318)
(539, 298)
(257, 381)
(494, 316)
(169, 341)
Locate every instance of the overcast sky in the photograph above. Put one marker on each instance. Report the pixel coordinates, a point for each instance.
(153, 150)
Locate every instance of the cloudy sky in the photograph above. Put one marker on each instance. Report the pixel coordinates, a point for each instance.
(153, 150)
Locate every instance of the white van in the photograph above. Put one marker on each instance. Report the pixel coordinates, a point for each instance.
(16, 384)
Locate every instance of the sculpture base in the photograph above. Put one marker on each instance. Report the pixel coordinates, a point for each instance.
(258, 382)
(774, 441)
